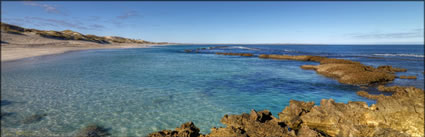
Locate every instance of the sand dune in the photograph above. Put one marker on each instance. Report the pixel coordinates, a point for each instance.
(19, 46)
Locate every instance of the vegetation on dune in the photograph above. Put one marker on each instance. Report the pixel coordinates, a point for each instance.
(71, 35)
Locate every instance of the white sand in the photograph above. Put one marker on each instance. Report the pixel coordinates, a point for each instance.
(30, 45)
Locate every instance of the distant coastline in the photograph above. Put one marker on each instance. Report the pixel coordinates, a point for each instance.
(19, 43)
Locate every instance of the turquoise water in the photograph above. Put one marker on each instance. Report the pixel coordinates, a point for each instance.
(137, 91)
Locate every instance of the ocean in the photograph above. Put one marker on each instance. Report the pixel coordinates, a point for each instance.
(134, 92)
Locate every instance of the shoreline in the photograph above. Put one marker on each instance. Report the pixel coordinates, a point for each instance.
(9, 54)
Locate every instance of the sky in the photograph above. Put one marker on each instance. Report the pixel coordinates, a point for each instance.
(344, 22)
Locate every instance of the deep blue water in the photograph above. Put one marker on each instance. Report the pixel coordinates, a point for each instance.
(137, 91)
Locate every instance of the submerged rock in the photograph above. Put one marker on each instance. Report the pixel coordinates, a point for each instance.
(5, 114)
(93, 130)
(34, 118)
(407, 77)
(235, 54)
(398, 115)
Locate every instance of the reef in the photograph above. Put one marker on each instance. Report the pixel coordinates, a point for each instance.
(407, 77)
(398, 115)
(235, 54)
(345, 71)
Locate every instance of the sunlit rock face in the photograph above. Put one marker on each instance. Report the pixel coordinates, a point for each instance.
(398, 115)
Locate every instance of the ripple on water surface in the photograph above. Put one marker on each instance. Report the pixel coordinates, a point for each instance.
(137, 91)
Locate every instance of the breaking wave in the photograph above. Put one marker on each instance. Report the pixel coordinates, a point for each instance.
(401, 55)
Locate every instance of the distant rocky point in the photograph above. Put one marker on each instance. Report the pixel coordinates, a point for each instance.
(71, 35)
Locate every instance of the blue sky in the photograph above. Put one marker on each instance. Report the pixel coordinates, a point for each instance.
(230, 22)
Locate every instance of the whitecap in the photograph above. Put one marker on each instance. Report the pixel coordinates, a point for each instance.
(401, 55)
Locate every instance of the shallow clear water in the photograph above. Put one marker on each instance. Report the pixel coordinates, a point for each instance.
(137, 91)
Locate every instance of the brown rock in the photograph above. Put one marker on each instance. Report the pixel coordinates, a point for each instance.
(401, 114)
(407, 77)
(186, 130)
(288, 57)
(337, 61)
(308, 67)
(390, 69)
(291, 114)
(305, 131)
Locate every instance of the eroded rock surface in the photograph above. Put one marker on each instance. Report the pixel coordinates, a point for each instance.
(398, 115)
(185, 130)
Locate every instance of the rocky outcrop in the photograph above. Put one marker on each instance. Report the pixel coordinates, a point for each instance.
(398, 115)
(185, 130)
(345, 71)
(288, 57)
(93, 130)
(390, 69)
(235, 54)
(402, 111)
(407, 77)
(351, 72)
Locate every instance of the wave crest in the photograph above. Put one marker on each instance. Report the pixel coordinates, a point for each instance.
(401, 55)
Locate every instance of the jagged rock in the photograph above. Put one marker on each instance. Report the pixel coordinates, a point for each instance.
(257, 124)
(291, 114)
(401, 114)
(34, 118)
(93, 130)
(186, 130)
(230, 131)
(305, 131)
(407, 77)
(403, 110)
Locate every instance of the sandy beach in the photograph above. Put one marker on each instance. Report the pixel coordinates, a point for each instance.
(17, 46)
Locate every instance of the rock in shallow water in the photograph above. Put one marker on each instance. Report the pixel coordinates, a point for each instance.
(33, 118)
(93, 130)
(398, 115)
(407, 77)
